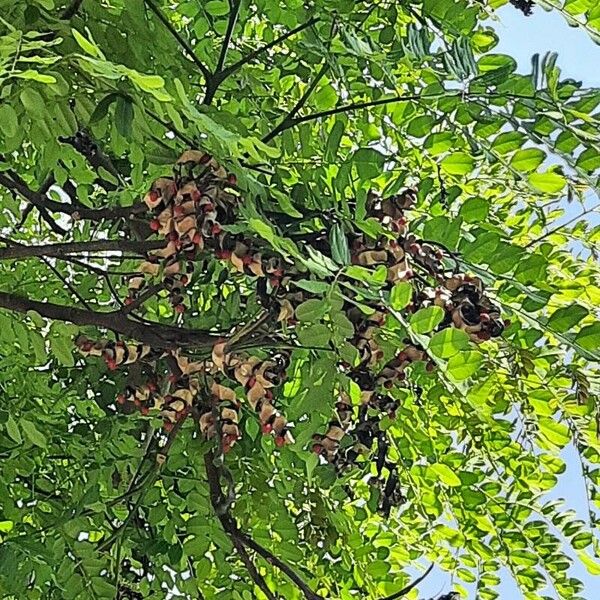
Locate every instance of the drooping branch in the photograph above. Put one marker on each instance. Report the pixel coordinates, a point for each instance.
(239, 537)
(43, 203)
(410, 586)
(75, 248)
(290, 119)
(156, 334)
(182, 41)
(16, 185)
(256, 53)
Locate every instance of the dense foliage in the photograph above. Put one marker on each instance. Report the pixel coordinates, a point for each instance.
(289, 307)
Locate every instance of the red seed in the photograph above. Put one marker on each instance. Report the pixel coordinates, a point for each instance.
(168, 426)
(280, 441)
(250, 383)
(180, 308)
(121, 398)
(267, 428)
(232, 179)
(154, 225)
(216, 229)
(145, 410)
(317, 448)
(274, 282)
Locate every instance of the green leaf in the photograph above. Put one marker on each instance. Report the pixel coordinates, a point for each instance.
(458, 163)
(32, 101)
(556, 433)
(333, 141)
(340, 252)
(124, 116)
(528, 159)
(9, 120)
(565, 318)
(32, 433)
(445, 474)
(63, 350)
(448, 342)
(401, 295)
(88, 46)
(475, 210)
(35, 76)
(13, 430)
(311, 310)
(464, 364)
(426, 319)
(549, 182)
(591, 565)
(589, 337)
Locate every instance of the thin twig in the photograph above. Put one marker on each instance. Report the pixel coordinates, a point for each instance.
(66, 282)
(230, 527)
(182, 41)
(290, 119)
(255, 53)
(410, 586)
(233, 17)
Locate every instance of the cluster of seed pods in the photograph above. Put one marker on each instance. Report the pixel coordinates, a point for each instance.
(179, 386)
(190, 212)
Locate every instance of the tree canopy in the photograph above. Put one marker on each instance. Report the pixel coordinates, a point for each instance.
(289, 305)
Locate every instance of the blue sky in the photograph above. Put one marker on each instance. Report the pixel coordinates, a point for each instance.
(578, 58)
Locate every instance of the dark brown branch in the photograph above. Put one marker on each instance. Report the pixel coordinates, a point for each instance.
(212, 85)
(66, 282)
(156, 334)
(290, 119)
(288, 123)
(71, 10)
(233, 17)
(410, 586)
(237, 536)
(255, 53)
(252, 570)
(43, 203)
(70, 248)
(16, 185)
(182, 41)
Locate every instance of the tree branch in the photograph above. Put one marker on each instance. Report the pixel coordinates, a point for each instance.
(16, 185)
(156, 335)
(290, 120)
(43, 203)
(237, 536)
(17, 250)
(410, 586)
(212, 85)
(252, 570)
(255, 53)
(182, 41)
(233, 17)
